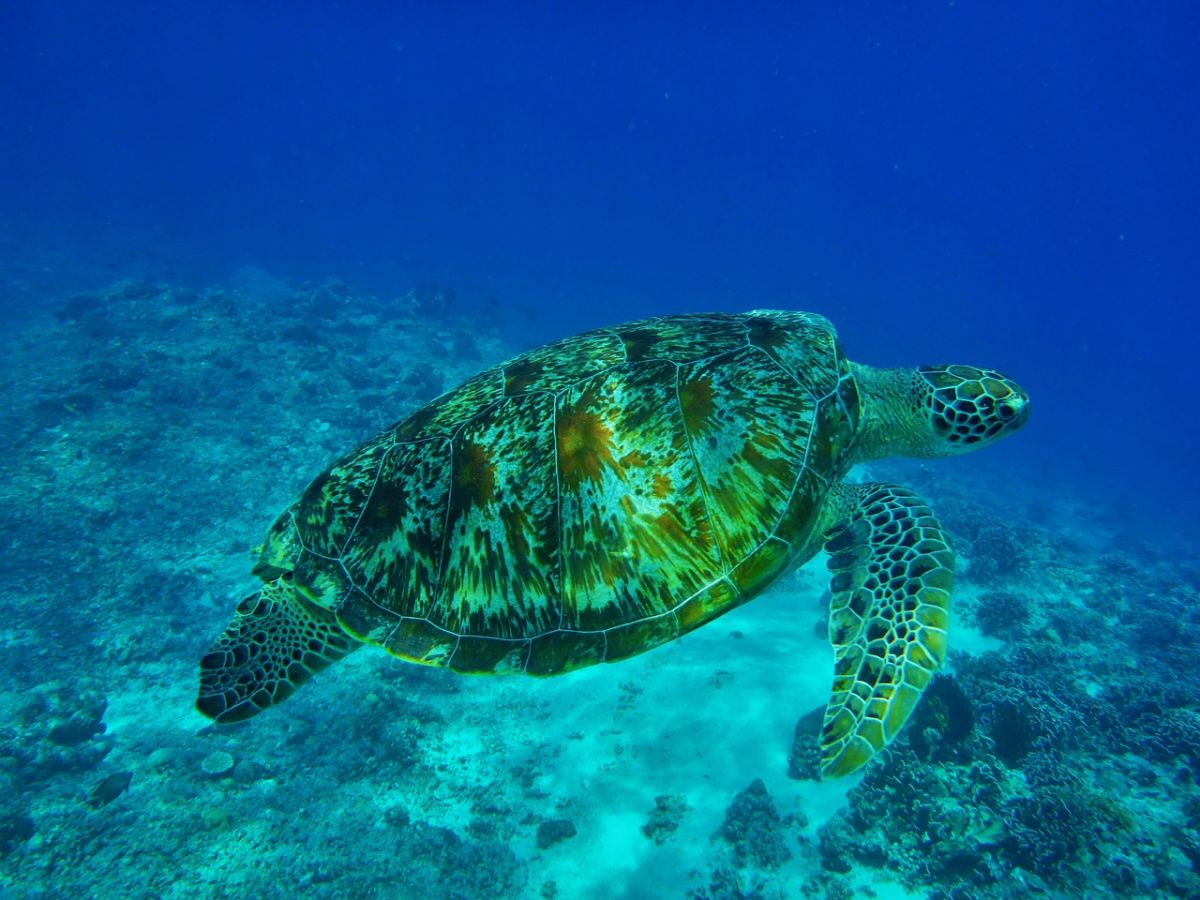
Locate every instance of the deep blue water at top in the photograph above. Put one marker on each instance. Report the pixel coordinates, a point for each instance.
(1013, 185)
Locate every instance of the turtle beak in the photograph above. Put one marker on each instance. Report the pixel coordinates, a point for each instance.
(1017, 406)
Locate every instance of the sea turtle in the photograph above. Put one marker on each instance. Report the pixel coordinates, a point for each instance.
(596, 497)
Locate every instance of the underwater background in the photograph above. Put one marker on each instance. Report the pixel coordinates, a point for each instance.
(238, 239)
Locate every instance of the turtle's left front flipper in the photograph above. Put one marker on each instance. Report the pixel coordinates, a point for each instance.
(893, 571)
(275, 643)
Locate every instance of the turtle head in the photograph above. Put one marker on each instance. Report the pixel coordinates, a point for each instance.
(934, 410)
(968, 408)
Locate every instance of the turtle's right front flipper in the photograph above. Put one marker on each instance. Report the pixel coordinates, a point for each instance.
(275, 643)
(893, 570)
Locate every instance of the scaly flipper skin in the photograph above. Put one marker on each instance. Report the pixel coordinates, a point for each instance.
(893, 571)
(275, 643)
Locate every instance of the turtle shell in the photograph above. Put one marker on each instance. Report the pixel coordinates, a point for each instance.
(584, 501)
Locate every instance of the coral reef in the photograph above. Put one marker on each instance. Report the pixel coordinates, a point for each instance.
(804, 756)
(437, 862)
(1003, 614)
(753, 828)
(1018, 780)
(664, 818)
(155, 430)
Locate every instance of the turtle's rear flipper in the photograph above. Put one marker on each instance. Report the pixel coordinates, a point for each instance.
(274, 644)
(893, 570)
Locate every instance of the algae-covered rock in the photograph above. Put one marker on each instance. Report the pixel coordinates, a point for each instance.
(217, 764)
(552, 831)
(16, 825)
(162, 758)
(664, 818)
(81, 723)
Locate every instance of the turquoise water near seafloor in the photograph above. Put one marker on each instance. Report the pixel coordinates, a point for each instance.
(234, 243)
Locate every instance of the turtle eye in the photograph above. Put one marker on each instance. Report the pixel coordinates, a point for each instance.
(1014, 410)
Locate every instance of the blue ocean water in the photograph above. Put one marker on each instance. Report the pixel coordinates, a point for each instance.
(237, 240)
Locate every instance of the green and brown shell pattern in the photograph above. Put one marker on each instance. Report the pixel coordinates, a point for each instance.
(584, 501)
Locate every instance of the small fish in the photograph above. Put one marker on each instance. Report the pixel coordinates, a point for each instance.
(109, 789)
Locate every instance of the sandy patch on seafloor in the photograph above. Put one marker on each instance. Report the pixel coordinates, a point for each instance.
(701, 717)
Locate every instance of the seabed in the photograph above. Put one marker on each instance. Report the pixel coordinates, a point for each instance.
(155, 430)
